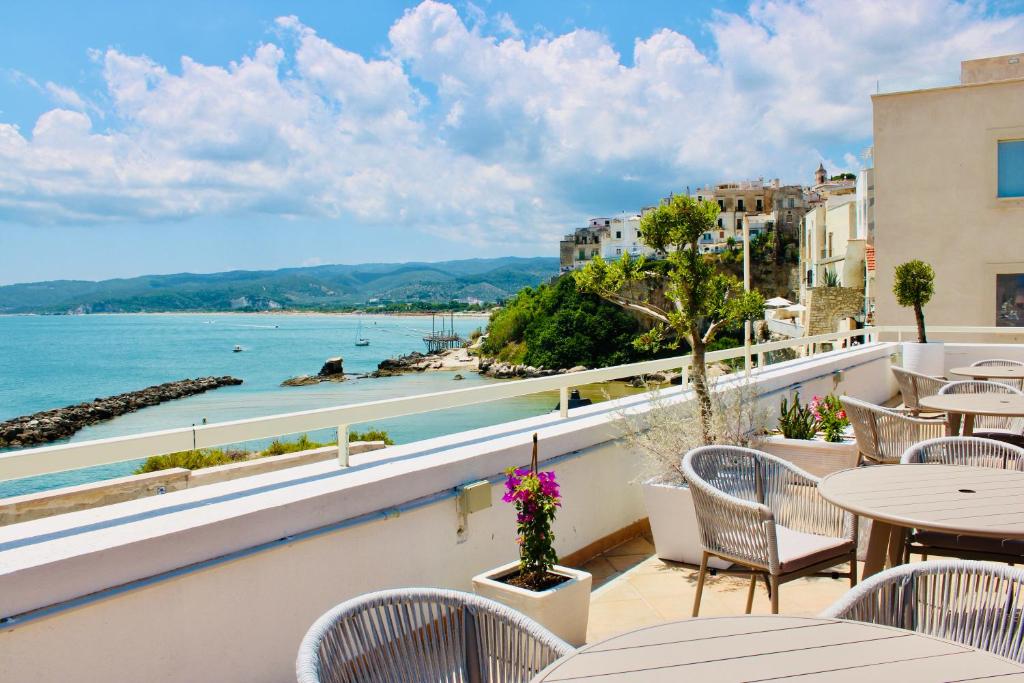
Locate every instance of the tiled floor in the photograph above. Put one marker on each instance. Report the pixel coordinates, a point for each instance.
(633, 588)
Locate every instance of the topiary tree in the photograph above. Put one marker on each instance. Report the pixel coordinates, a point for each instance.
(914, 286)
(699, 300)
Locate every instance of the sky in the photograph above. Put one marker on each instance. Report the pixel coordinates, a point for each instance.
(144, 137)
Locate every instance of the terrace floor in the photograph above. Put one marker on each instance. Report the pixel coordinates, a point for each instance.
(633, 588)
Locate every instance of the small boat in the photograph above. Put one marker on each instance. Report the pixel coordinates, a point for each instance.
(360, 341)
(237, 349)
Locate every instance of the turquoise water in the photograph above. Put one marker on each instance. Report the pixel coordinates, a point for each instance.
(52, 361)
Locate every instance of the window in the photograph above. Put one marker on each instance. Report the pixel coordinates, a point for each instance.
(739, 205)
(1011, 168)
(699, 198)
(721, 205)
(619, 252)
(721, 234)
(719, 222)
(760, 205)
(618, 234)
(739, 223)
(792, 203)
(1010, 300)
(607, 223)
(639, 234)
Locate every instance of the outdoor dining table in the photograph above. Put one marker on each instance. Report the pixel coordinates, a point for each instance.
(765, 648)
(989, 372)
(967, 406)
(975, 501)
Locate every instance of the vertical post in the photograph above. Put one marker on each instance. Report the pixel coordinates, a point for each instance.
(563, 401)
(760, 359)
(343, 445)
(746, 288)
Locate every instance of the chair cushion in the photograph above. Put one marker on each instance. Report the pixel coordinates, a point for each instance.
(978, 544)
(798, 550)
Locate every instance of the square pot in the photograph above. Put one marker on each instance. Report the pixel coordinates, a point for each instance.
(816, 456)
(564, 610)
(674, 523)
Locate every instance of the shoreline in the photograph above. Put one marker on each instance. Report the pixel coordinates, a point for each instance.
(396, 314)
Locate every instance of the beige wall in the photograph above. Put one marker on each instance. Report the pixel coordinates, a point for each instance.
(935, 188)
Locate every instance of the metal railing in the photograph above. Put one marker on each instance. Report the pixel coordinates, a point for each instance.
(49, 459)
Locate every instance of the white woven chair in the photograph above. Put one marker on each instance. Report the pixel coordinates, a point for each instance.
(968, 451)
(914, 386)
(765, 515)
(977, 604)
(1002, 363)
(883, 435)
(993, 427)
(422, 634)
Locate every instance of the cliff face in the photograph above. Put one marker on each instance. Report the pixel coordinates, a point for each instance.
(61, 423)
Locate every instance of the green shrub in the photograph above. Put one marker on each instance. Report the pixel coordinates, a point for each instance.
(371, 435)
(304, 443)
(191, 460)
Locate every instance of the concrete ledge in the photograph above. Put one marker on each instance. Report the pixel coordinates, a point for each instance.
(109, 491)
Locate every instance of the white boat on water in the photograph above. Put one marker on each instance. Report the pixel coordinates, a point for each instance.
(237, 349)
(360, 341)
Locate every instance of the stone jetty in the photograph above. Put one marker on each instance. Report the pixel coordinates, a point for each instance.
(61, 423)
(333, 370)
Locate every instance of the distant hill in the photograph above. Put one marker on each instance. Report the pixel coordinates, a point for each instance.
(312, 288)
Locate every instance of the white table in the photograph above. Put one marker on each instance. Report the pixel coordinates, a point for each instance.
(766, 648)
(976, 501)
(967, 406)
(990, 372)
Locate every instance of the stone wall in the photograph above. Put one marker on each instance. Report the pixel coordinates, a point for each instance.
(826, 306)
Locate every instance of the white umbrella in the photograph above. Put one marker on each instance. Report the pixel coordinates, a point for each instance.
(796, 308)
(778, 302)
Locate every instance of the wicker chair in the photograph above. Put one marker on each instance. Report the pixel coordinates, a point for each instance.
(914, 386)
(972, 452)
(765, 514)
(425, 634)
(882, 434)
(977, 604)
(1002, 363)
(1008, 429)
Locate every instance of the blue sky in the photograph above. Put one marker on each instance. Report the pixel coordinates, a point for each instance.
(158, 137)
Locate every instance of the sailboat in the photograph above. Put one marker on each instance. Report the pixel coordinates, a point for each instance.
(359, 335)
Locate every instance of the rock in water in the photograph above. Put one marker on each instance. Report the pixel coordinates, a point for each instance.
(332, 366)
(61, 423)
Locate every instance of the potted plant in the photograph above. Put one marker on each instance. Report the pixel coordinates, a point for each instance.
(661, 435)
(914, 286)
(815, 437)
(555, 596)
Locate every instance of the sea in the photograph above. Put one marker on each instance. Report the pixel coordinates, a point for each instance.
(53, 361)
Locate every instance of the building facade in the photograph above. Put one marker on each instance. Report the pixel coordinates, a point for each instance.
(949, 190)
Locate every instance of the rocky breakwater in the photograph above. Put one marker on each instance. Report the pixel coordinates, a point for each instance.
(61, 423)
(503, 370)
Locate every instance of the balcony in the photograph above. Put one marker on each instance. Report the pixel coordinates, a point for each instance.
(220, 582)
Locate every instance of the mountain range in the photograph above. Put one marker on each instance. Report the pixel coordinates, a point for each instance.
(324, 287)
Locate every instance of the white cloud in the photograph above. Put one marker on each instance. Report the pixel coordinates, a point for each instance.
(468, 135)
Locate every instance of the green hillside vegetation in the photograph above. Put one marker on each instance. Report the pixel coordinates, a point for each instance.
(557, 326)
(389, 287)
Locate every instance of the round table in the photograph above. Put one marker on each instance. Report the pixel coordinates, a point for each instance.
(775, 647)
(968, 405)
(953, 499)
(988, 372)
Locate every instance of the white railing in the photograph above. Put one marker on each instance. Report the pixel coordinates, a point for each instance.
(49, 459)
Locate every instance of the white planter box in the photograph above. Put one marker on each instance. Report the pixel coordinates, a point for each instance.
(674, 524)
(563, 610)
(817, 456)
(927, 359)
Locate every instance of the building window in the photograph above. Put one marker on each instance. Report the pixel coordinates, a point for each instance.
(699, 198)
(1011, 168)
(792, 202)
(739, 223)
(619, 251)
(721, 205)
(721, 234)
(618, 236)
(719, 222)
(1010, 300)
(609, 223)
(760, 205)
(739, 205)
(639, 234)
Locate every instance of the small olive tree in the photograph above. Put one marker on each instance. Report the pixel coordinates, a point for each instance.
(914, 286)
(699, 300)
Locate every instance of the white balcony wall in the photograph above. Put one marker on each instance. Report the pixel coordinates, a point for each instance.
(220, 583)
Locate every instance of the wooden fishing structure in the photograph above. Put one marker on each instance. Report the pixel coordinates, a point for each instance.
(443, 338)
